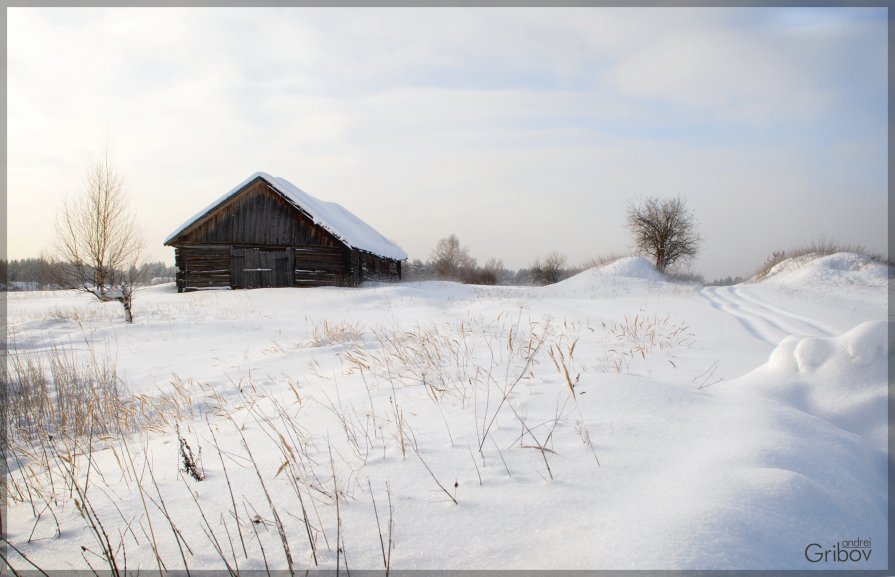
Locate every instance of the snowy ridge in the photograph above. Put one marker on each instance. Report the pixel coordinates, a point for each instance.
(333, 217)
(840, 269)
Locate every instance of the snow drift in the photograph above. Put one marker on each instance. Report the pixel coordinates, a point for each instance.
(840, 269)
(841, 379)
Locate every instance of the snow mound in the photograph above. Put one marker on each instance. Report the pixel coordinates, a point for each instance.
(632, 267)
(618, 277)
(840, 269)
(840, 379)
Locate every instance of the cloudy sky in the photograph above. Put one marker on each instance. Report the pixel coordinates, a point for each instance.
(522, 131)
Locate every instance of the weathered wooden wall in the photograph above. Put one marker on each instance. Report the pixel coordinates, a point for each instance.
(258, 216)
(202, 266)
(377, 268)
(319, 266)
(255, 267)
(208, 266)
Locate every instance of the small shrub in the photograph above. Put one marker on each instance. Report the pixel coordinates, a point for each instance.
(550, 270)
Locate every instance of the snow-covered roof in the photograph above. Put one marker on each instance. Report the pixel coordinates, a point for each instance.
(331, 216)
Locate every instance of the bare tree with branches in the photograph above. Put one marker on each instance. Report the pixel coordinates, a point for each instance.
(450, 260)
(98, 241)
(665, 230)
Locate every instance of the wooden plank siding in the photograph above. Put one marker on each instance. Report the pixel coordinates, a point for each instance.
(258, 216)
(376, 268)
(257, 239)
(202, 267)
(320, 266)
(255, 267)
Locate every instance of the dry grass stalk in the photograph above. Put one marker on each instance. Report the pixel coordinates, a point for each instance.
(640, 336)
(282, 531)
(229, 487)
(326, 334)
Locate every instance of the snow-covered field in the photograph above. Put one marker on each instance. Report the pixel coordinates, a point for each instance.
(611, 421)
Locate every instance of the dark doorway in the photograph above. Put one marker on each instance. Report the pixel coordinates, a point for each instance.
(261, 268)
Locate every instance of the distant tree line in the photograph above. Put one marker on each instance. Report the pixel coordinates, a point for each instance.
(726, 281)
(29, 273)
(43, 274)
(451, 261)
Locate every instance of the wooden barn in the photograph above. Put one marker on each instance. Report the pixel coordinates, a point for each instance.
(267, 232)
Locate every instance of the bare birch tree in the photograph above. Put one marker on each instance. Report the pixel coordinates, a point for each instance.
(98, 241)
(450, 260)
(665, 230)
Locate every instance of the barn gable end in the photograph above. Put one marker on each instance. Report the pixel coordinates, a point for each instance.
(268, 233)
(258, 216)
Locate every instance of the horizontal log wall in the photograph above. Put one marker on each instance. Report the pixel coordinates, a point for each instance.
(217, 266)
(202, 267)
(321, 266)
(377, 268)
